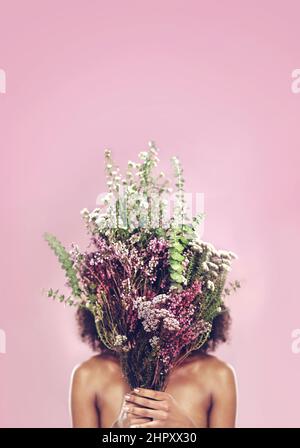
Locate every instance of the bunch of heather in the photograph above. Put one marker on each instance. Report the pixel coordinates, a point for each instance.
(153, 286)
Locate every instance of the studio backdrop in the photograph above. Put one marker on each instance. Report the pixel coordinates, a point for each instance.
(215, 83)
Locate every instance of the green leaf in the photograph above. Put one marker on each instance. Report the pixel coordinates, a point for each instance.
(184, 240)
(176, 255)
(179, 247)
(177, 277)
(177, 267)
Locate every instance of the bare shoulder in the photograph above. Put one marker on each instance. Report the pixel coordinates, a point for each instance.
(94, 372)
(216, 365)
(216, 371)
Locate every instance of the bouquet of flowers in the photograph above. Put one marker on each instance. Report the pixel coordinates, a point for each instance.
(153, 286)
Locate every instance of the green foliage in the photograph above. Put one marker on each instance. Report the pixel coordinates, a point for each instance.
(175, 255)
(56, 295)
(67, 264)
(232, 287)
(178, 239)
(193, 267)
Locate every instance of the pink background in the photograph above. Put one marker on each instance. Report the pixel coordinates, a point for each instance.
(209, 82)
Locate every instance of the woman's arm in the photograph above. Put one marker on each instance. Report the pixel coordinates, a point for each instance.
(224, 398)
(83, 400)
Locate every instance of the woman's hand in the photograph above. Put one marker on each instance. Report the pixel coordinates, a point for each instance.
(161, 407)
(126, 420)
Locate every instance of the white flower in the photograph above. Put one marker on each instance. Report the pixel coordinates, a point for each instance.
(210, 247)
(120, 339)
(161, 298)
(227, 254)
(105, 199)
(144, 204)
(171, 323)
(143, 155)
(89, 306)
(233, 255)
(154, 151)
(100, 218)
(151, 144)
(223, 253)
(94, 214)
(84, 212)
(210, 285)
(226, 267)
(131, 189)
(204, 266)
(154, 341)
(213, 265)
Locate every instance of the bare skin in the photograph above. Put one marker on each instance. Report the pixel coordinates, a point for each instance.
(201, 392)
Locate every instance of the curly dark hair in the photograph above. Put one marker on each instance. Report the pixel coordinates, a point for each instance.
(88, 332)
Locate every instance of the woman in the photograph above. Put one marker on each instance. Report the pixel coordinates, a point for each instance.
(201, 391)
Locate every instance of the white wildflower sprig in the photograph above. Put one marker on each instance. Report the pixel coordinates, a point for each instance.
(119, 340)
(180, 206)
